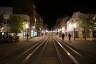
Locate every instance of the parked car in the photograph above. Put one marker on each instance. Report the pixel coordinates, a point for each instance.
(7, 38)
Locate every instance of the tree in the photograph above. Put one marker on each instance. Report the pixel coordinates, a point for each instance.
(85, 23)
(16, 24)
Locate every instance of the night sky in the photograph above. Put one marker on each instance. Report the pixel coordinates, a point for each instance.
(50, 10)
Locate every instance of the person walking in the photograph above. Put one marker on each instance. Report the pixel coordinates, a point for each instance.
(63, 36)
(27, 36)
(69, 36)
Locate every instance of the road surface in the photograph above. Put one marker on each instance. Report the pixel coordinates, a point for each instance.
(48, 50)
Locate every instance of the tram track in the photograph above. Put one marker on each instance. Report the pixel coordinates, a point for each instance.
(76, 54)
(37, 57)
(49, 50)
(46, 54)
(50, 55)
(20, 50)
(35, 54)
(72, 59)
(83, 57)
(14, 59)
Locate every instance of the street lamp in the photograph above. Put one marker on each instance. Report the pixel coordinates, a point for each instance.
(70, 27)
(35, 21)
(63, 29)
(26, 28)
(74, 26)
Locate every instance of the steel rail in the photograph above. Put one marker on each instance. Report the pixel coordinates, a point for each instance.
(31, 53)
(68, 53)
(58, 54)
(79, 54)
(24, 52)
(38, 60)
(70, 48)
(15, 51)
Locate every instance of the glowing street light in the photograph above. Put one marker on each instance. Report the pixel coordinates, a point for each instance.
(74, 25)
(63, 29)
(70, 27)
(27, 26)
(46, 30)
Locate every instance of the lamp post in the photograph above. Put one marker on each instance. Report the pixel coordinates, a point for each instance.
(74, 26)
(27, 26)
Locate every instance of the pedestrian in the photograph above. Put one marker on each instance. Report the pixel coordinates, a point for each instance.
(63, 36)
(27, 35)
(69, 36)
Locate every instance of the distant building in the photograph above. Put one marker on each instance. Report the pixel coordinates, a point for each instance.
(23, 16)
(73, 26)
(6, 10)
(78, 31)
(5, 13)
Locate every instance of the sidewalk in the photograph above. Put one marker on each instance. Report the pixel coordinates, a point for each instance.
(84, 45)
(31, 39)
(66, 38)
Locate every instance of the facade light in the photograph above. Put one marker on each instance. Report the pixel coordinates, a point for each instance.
(27, 26)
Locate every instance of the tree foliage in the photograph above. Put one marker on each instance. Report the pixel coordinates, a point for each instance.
(16, 24)
(85, 22)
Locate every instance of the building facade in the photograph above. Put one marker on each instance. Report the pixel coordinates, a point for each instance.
(5, 13)
(79, 25)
